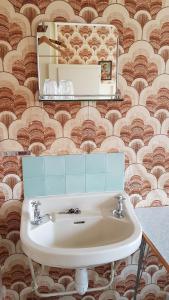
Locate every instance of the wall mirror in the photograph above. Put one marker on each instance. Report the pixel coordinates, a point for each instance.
(77, 61)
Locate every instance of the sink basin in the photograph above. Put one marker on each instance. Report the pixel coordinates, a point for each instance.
(93, 237)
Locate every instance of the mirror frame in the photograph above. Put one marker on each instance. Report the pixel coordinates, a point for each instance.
(42, 27)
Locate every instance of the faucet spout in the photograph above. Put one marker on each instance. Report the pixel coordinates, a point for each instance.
(119, 211)
(38, 219)
(42, 219)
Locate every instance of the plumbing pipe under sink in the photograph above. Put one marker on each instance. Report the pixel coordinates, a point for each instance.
(81, 280)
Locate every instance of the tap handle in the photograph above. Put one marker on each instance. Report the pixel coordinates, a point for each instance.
(35, 204)
(121, 198)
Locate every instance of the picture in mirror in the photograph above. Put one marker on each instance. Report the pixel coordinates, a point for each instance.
(77, 61)
(106, 69)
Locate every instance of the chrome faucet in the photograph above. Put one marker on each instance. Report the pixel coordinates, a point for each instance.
(38, 219)
(119, 211)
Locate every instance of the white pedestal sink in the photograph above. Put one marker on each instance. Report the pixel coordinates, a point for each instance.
(93, 237)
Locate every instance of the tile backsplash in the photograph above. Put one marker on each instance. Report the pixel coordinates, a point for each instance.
(79, 173)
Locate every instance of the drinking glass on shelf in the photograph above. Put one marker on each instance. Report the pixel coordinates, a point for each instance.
(50, 89)
(66, 89)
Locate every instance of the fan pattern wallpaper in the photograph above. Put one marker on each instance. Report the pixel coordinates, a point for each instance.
(139, 126)
(87, 45)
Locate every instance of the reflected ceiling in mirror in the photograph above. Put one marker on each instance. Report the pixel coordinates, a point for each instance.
(77, 61)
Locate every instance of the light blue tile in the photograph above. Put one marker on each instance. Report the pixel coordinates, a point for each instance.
(75, 183)
(96, 163)
(95, 182)
(34, 186)
(52, 175)
(55, 185)
(114, 162)
(54, 165)
(114, 182)
(75, 164)
(33, 166)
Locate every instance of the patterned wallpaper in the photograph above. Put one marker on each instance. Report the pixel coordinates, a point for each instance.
(87, 44)
(139, 126)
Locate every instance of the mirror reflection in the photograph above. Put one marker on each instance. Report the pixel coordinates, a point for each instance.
(77, 61)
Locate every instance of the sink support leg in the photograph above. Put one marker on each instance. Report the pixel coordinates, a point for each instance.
(140, 266)
(54, 294)
(35, 285)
